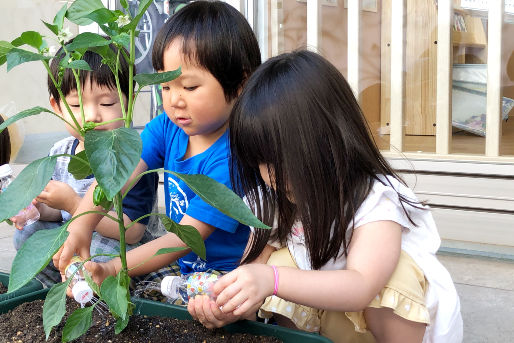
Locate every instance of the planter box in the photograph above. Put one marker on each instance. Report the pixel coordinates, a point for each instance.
(9, 304)
(10, 300)
(153, 308)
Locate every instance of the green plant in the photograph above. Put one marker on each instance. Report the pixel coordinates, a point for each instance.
(110, 155)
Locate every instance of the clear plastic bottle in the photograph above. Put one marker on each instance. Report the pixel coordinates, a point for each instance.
(29, 214)
(186, 286)
(81, 291)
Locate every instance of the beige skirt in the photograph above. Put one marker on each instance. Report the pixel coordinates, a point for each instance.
(404, 293)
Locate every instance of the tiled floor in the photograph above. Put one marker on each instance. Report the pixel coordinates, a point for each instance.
(485, 286)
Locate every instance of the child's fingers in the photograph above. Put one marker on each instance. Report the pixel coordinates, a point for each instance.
(224, 281)
(230, 293)
(56, 258)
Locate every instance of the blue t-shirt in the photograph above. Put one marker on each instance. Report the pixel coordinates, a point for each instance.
(164, 145)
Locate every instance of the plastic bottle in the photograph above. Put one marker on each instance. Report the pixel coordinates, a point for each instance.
(81, 291)
(186, 286)
(29, 214)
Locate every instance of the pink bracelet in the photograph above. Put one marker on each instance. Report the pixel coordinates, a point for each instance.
(275, 271)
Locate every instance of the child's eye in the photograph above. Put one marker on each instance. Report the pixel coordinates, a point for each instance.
(165, 88)
(110, 104)
(190, 88)
(73, 105)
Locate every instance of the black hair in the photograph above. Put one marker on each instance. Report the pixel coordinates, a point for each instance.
(101, 74)
(5, 144)
(298, 115)
(215, 37)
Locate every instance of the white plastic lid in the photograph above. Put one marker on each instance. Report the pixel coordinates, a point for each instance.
(169, 286)
(5, 170)
(82, 293)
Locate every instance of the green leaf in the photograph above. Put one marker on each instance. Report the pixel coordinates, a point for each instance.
(143, 6)
(55, 306)
(220, 197)
(52, 27)
(151, 79)
(107, 54)
(115, 295)
(102, 16)
(79, 166)
(59, 18)
(35, 254)
(121, 324)
(100, 199)
(113, 156)
(80, 9)
(24, 188)
(86, 40)
(32, 38)
(124, 3)
(122, 39)
(5, 47)
(23, 114)
(78, 323)
(18, 56)
(187, 233)
(79, 64)
(3, 59)
(164, 251)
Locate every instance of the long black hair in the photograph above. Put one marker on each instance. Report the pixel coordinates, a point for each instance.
(298, 115)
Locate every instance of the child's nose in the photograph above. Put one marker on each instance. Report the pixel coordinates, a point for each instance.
(92, 114)
(176, 99)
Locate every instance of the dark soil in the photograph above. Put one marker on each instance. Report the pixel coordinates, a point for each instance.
(25, 324)
(3, 289)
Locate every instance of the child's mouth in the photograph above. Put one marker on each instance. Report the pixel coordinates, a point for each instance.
(183, 120)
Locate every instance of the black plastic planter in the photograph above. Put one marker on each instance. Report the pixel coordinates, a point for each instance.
(11, 300)
(153, 308)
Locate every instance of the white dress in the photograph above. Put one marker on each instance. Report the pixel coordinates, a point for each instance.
(420, 242)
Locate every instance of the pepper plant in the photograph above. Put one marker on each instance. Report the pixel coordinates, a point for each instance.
(110, 155)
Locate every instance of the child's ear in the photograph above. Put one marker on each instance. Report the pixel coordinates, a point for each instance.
(55, 106)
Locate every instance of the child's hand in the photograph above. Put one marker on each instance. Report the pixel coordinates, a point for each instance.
(77, 243)
(100, 271)
(59, 195)
(14, 221)
(244, 289)
(207, 312)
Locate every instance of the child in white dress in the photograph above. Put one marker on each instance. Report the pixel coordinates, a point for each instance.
(352, 251)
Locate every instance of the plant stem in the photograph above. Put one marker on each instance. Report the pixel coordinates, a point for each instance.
(118, 204)
(128, 119)
(61, 95)
(118, 87)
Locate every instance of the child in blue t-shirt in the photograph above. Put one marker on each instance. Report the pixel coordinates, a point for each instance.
(61, 196)
(217, 51)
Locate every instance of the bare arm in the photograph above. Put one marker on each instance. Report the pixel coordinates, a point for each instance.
(81, 229)
(373, 256)
(109, 228)
(145, 252)
(48, 214)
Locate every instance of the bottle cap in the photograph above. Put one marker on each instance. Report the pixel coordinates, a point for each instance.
(82, 293)
(169, 286)
(5, 170)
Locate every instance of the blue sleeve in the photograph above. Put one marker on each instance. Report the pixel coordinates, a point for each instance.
(204, 212)
(140, 199)
(154, 142)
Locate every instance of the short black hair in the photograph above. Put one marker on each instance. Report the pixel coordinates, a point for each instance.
(216, 37)
(101, 74)
(5, 144)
